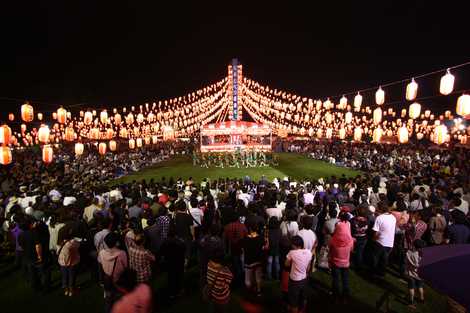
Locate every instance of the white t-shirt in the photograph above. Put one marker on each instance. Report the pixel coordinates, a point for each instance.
(385, 227)
(291, 228)
(309, 238)
(197, 216)
(274, 212)
(308, 198)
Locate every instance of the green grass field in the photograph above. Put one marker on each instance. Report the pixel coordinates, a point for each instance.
(293, 165)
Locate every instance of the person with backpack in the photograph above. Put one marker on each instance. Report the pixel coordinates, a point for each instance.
(69, 258)
(113, 263)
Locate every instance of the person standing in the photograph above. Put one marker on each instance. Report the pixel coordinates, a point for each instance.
(298, 259)
(173, 253)
(341, 246)
(274, 239)
(219, 277)
(113, 263)
(140, 259)
(252, 246)
(234, 233)
(69, 258)
(413, 261)
(384, 236)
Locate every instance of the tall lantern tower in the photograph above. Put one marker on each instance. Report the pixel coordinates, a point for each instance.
(235, 90)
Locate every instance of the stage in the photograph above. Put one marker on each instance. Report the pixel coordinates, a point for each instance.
(232, 136)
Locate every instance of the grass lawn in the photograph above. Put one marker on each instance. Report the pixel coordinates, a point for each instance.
(17, 297)
(293, 165)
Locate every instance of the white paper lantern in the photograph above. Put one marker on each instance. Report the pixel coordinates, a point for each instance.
(377, 116)
(380, 96)
(403, 134)
(411, 90)
(447, 83)
(463, 105)
(415, 110)
(79, 149)
(377, 134)
(357, 101)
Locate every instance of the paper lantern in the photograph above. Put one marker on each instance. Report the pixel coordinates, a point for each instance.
(131, 144)
(377, 135)
(343, 102)
(109, 133)
(5, 134)
(463, 139)
(40, 116)
(342, 133)
(168, 133)
(43, 134)
(27, 112)
(117, 119)
(154, 139)
(357, 101)
(102, 148)
(5, 155)
(88, 118)
(380, 96)
(348, 117)
(447, 83)
(123, 133)
(440, 134)
(415, 110)
(463, 105)
(139, 142)
(403, 134)
(11, 117)
(79, 149)
(104, 117)
(329, 133)
(411, 90)
(130, 119)
(319, 133)
(140, 118)
(358, 133)
(94, 134)
(69, 134)
(112, 145)
(47, 154)
(61, 115)
(377, 116)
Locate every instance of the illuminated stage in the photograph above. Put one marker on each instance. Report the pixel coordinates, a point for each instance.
(234, 136)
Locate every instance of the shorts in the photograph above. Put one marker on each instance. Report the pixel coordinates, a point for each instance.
(296, 292)
(414, 283)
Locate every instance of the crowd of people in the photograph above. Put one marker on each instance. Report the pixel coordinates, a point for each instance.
(239, 232)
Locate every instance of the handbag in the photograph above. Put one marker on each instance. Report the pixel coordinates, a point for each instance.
(323, 257)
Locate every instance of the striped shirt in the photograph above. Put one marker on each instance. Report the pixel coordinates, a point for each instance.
(218, 282)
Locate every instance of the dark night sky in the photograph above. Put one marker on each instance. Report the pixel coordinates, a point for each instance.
(123, 53)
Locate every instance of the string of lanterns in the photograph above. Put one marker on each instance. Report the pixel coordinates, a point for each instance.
(285, 112)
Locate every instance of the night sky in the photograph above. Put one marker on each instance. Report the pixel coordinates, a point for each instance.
(101, 53)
